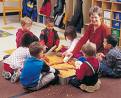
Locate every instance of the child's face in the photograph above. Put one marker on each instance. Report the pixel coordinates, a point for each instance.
(106, 45)
(95, 19)
(69, 37)
(27, 27)
(50, 26)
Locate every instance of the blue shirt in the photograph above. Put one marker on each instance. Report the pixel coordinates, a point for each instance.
(31, 72)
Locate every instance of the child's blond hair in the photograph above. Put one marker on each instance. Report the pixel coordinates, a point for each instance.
(89, 49)
(26, 21)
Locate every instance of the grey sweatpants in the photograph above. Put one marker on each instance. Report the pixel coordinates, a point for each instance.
(46, 78)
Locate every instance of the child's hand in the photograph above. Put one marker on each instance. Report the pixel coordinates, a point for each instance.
(78, 64)
(67, 57)
(52, 49)
(57, 72)
(64, 53)
(45, 58)
(100, 56)
(59, 48)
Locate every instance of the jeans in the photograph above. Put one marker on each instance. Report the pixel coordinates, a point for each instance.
(75, 82)
(106, 70)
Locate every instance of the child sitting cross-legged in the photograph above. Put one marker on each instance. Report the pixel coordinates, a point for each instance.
(87, 71)
(49, 37)
(13, 64)
(36, 73)
(110, 65)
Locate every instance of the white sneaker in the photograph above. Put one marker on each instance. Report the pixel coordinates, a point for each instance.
(6, 75)
(15, 77)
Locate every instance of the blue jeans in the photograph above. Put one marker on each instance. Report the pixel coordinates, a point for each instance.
(75, 82)
(106, 70)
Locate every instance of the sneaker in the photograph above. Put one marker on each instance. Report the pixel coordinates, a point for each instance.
(15, 77)
(6, 75)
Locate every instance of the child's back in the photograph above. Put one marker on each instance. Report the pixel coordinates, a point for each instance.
(36, 73)
(87, 71)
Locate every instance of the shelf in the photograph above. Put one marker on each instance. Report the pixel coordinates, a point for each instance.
(107, 10)
(116, 20)
(111, 15)
(114, 28)
(116, 2)
(107, 5)
(116, 11)
(98, 3)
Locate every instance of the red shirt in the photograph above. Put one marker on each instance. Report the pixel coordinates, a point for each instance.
(46, 9)
(19, 35)
(49, 38)
(96, 37)
(85, 70)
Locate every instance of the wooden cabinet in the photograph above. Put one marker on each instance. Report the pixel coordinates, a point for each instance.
(111, 15)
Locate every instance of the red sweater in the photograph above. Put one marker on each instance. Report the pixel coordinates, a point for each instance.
(85, 70)
(49, 38)
(46, 9)
(96, 37)
(19, 35)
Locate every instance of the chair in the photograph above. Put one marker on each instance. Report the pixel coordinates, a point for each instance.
(11, 6)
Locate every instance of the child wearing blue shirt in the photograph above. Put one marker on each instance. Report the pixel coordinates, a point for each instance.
(36, 73)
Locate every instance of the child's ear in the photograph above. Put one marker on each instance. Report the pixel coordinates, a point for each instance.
(109, 45)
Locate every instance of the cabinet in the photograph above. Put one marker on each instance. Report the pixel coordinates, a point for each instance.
(111, 15)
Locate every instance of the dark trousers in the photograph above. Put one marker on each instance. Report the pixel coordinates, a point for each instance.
(75, 82)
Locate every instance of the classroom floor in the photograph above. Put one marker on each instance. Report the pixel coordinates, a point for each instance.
(8, 33)
(110, 88)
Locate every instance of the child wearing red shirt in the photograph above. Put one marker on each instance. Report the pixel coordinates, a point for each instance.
(49, 37)
(26, 24)
(87, 71)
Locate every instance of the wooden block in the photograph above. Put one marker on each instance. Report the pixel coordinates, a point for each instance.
(66, 69)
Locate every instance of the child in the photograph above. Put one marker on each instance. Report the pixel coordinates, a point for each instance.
(26, 24)
(36, 73)
(49, 37)
(14, 63)
(71, 36)
(111, 62)
(87, 71)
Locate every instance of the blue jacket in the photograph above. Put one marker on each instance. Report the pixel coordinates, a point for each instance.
(30, 11)
(31, 72)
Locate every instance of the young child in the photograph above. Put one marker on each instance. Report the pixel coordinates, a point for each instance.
(26, 24)
(14, 63)
(71, 37)
(111, 62)
(36, 73)
(87, 71)
(49, 37)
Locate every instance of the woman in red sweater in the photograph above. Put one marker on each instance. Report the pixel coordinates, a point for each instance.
(96, 31)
